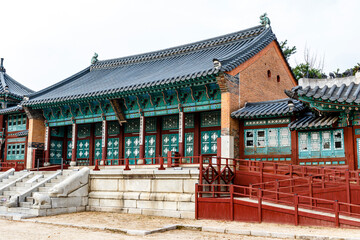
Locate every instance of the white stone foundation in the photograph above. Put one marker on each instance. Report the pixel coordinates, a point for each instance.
(169, 193)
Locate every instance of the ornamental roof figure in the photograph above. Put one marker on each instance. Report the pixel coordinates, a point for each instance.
(264, 20)
(94, 58)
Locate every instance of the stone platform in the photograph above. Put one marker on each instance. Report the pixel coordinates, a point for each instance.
(169, 192)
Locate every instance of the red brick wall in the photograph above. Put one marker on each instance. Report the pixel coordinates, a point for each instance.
(255, 85)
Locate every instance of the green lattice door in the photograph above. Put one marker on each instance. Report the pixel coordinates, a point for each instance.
(150, 147)
(98, 149)
(68, 151)
(132, 148)
(56, 148)
(170, 142)
(83, 151)
(209, 142)
(113, 150)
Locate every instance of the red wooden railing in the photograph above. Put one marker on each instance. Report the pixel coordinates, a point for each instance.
(17, 165)
(235, 193)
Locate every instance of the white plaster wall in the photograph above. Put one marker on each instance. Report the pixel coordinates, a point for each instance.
(304, 82)
(227, 146)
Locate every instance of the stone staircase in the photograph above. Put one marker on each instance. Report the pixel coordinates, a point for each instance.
(26, 184)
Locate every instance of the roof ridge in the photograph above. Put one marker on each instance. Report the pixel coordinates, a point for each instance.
(269, 102)
(58, 84)
(185, 48)
(19, 84)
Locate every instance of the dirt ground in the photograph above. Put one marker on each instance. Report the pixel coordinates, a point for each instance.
(31, 230)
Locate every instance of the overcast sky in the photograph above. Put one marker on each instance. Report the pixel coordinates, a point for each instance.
(44, 42)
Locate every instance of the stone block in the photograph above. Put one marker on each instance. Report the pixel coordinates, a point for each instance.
(129, 203)
(259, 233)
(134, 211)
(189, 185)
(56, 211)
(100, 184)
(282, 235)
(72, 209)
(80, 209)
(94, 202)
(144, 196)
(185, 197)
(111, 203)
(138, 185)
(193, 197)
(160, 205)
(110, 195)
(187, 215)
(213, 229)
(186, 206)
(105, 209)
(84, 201)
(131, 195)
(66, 202)
(238, 231)
(81, 192)
(174, 197)
(167, 185)
(138, 232)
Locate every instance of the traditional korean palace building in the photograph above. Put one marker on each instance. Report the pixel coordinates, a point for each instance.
(318, 125)
(13, 121)
(141, 107)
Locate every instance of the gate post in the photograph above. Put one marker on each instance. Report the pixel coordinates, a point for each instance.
(259, 205)
(336, 208)
(196, 201)
(296, 209)
(232, 202)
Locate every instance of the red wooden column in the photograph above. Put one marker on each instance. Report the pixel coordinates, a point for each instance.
(142, 139)
(104, 138)
(197, 150)
(294, 147)
(74, 144)
(158, 137)
(349, 144)
(241, 139)
(181, 133)
(47, 146)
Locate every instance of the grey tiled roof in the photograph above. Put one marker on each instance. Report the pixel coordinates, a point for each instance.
(10, 110)
(20, 134)
(11, 87)
(334, 93)
(310, 121)
(268, 109)
(164, 67)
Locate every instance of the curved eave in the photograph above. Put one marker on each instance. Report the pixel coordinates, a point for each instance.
(117, 93)
(337, 106)
(263, 116)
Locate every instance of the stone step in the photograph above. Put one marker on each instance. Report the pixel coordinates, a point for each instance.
(29, 199)
(10, 193)
(26, 204)
(18, 189)
(24, 210)
(44, 189)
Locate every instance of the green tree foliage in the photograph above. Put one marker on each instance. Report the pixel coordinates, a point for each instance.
(288, 51)
(304, 70)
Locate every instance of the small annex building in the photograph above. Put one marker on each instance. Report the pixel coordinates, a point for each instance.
(318, 125)
(176, 100)
(13, 121)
